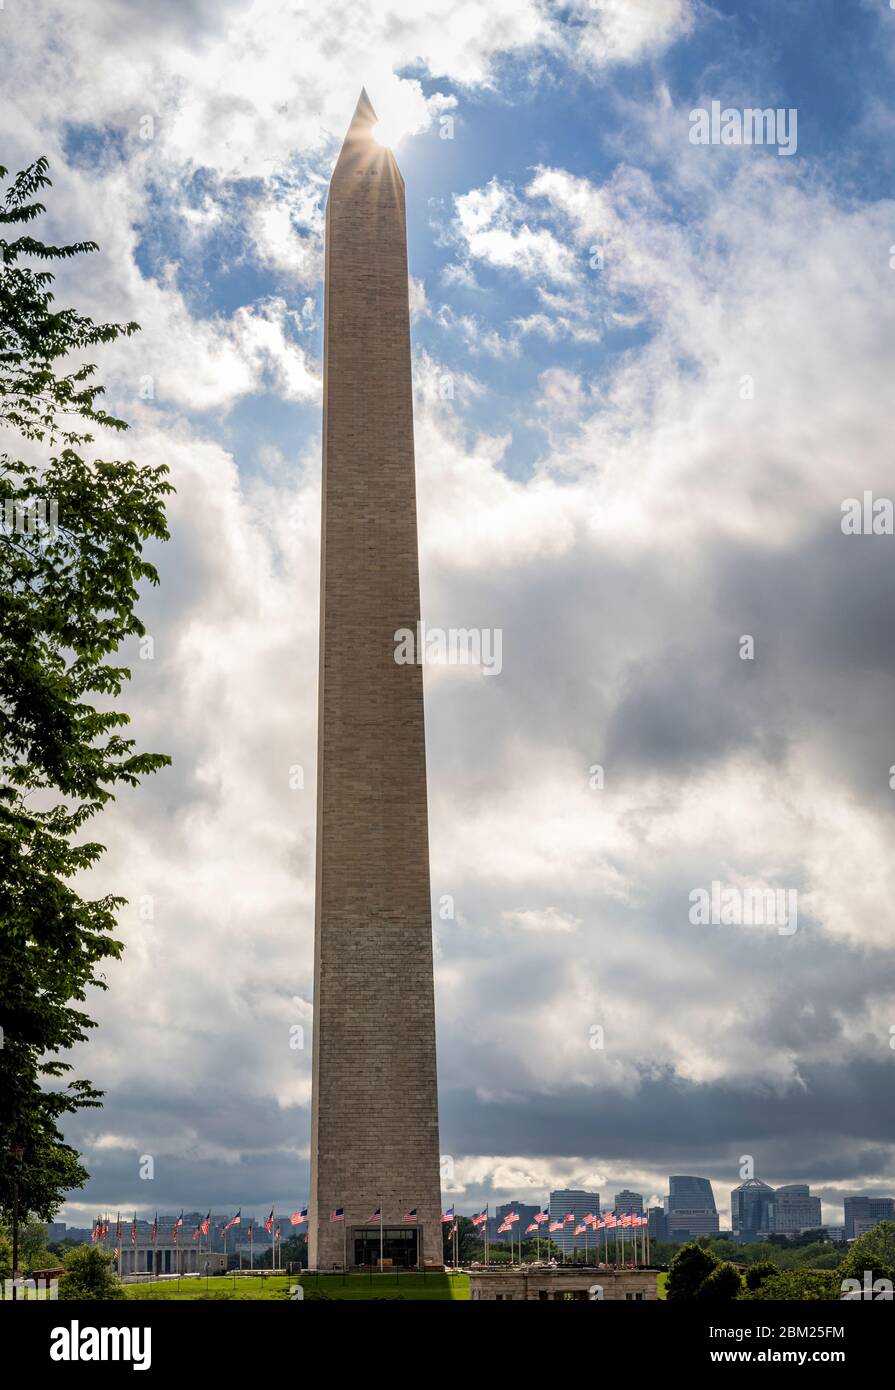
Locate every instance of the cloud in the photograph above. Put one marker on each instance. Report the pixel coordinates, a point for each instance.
(490, 225)
(626, 31)
(543, 921)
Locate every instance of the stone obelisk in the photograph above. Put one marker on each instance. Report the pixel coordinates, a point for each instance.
(374, 1131)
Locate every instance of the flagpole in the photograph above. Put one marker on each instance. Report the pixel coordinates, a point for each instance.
(381, 1240)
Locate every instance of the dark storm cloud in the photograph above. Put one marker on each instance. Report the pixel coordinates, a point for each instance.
(217, 1148)
(837, 1122)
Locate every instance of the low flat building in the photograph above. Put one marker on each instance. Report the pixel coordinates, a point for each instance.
(564, 1284)
(169, 1257)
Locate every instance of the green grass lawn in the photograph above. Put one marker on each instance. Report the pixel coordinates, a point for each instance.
(661, 1282)
(431, 1287)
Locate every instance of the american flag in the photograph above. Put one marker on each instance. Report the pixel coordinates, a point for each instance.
(234, 1221)
(511, 1216)
(543, 1215)
(197, 1232)
(177, 1224)
(206, 1225)
(338, 1214)
(299, 1217)
(569, 1216)
(134, 1230)
(480, 1217)
(532, 1229)
(377, 1215)
(556, 1226)
(95, 1233)
(447, 1216)
(453, 1231)
(153, 1234)
(589, 1220)
(279, 1237)
(411, 1215)
(251, 1234)
(268, 1225)
(504, 1227)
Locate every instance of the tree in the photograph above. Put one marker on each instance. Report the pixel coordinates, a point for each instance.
(89, 1275)
(33, 1250)
(71, 543)
(722, 1249)
(721, 1286)
(814, 1237)
(802, 1285)
(871, 1257)
(688, 1270)
(875, 1247)
(469, 1243)
(294, 1251)
(546, 1249)
(756, 1275)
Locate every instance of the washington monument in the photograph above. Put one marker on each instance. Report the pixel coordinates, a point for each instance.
(374, 1127)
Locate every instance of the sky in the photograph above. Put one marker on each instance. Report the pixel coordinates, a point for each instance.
(647, 374)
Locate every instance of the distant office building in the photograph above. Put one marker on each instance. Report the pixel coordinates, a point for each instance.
(689, 1193)
(872, 1209)
(749, 1205)
(682, 1225)
(793, 1210)
(657, 1229)
(757, 1210)
(834, 1233)
(628, 1201)
(580, 1204)
(864, 1224)
(690, 1210)
(526, 1214)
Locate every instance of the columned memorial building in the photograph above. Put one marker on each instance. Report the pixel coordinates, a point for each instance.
(169, 1257)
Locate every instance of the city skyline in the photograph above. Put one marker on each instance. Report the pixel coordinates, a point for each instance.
(877, 1205)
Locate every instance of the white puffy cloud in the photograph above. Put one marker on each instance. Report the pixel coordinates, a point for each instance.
(625, 31)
